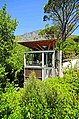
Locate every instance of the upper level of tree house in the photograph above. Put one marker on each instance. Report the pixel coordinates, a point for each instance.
(41, 59)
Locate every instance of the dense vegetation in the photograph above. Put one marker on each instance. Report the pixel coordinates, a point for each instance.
(55, 98)
(11, 53)
(7, 28)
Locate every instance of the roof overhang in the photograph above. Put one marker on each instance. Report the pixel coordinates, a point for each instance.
(40, 44)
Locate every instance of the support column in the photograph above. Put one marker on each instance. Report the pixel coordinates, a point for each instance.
(46, 59)
(43, 66)
(60, 64)
(53, 59)
(53, 64)
(24, 67)
(46, 63)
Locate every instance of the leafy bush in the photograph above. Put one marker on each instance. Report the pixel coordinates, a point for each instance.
(65, 92)
(34, 99)
(2, 78)
(54, 98)
(14, 65)
(70, 48)
(10, 103)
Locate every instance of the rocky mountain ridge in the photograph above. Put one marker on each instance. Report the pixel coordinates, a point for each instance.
(34, 35)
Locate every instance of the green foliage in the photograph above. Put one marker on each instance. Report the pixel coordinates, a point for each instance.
(34, 99)
(64, 14)
(2, 70)
(55, 98)
(16, 59)
(14, 64)
(50, 32)
(2, 78)
(7, 28)
(70, 48)
(76, 39)
(10, 103)
(65, 91)
(11, 54)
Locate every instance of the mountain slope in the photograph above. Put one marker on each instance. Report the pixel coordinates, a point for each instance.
(34, 35)
(31, 36)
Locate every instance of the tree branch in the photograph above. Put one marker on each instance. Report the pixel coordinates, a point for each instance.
(72, 31)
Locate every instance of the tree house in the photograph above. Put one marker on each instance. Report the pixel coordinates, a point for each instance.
(41, 58)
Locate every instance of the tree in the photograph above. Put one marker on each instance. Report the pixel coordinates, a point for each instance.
(50, 32)
(64, 14)
(70, 49)
(7, 28)
(15, 64)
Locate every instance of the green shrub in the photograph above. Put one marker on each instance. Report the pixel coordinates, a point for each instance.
(2, 78)
(65, 91)
(10, 103)
(54, 98)
(34, 99)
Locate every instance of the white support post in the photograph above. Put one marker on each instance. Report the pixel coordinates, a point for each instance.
(60, 64)
(53, 59)
(24, 67)
(43, 66)
(46, 59)
(53, 64)
(46, 62)
(24, 59)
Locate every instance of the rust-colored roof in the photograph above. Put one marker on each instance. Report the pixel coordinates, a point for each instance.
(39, 44)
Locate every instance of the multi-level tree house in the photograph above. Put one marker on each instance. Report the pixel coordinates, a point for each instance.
(41, 59)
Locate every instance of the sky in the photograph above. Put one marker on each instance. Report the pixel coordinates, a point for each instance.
(29, 14)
